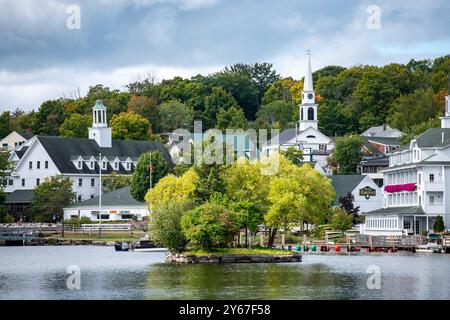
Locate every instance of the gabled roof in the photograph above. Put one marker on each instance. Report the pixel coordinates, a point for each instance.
(119, 198)
(433, 138)
(378, 161)
(382, 131)
(19, 196)
(26, 134)
(343, 184)
(390, 141)
(62, 150)
(398, 210)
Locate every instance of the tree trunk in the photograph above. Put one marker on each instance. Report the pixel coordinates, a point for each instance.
(272, 233)
(246, 237)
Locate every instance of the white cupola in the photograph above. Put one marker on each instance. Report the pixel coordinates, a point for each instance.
(308, 107)
(100, 131)
(445, 120)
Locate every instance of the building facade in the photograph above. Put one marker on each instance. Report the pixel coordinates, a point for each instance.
(417, 185)
(79, 159)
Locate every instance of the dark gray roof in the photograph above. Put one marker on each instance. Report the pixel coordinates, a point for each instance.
(21, 152)
(398, 210)
(26, 134)
(284, 136)
(433, 138)
(377, 161)
(119, 198)
(384, 140)
(19, 196)
(63, 150)
(344, 184)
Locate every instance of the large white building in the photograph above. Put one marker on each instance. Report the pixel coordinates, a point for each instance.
(79, 159)
(416, 185)
(306, 136)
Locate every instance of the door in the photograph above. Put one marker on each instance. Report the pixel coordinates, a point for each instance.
(417, 229)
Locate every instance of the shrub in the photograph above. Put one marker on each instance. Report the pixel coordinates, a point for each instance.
(439, 224)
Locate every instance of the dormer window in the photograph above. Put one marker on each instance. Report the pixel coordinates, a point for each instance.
(92, 163)
(128, 166)
(104, 163)
(116, 165)
(79, 164)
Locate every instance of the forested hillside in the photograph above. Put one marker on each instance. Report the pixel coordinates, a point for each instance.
(408, 97)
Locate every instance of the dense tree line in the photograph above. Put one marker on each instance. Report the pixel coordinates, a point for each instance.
(406, 96)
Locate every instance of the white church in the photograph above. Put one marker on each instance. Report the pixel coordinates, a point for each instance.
(306, 136)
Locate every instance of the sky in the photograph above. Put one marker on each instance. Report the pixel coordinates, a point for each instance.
(55, 48)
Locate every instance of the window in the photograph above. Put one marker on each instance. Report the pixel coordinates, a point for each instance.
(5, 147)
(92, 196)
(80, 164)
(311, 137)
(92, 182)
(310, 113)
(432, 200)
(116, 165)
(103, 217)
(127, 217)
(79, 197)
(30, 165)
(38, 182)
(46, 164)
(406, 224)
(92, 164)
(104, 165)
(431, 177)
(23, 182)
(11, 182)
(420, 178)
(80, 182)
(323, 147)
(301, 114)
(128, 166)
(38, 165)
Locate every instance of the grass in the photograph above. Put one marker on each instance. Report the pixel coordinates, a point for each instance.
(107, 236)
(237, 251)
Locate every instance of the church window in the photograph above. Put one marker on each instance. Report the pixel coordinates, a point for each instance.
(301, 113)
(311, 137)
(310, 113)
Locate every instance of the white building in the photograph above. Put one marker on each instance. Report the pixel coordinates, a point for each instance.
(116, 205)
(306, 136)
(417, 185)
(14, 140)
(366, 194)
(79, 159)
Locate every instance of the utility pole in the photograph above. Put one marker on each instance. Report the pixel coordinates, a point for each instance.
(150, 169)
(100, 165)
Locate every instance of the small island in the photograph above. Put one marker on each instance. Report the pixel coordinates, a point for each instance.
(235, 255)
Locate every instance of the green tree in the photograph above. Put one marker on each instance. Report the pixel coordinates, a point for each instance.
(217, 100)
(114, 182)
(233, 118)
(209, 226)
(76, 126)
(165, 225)
(176, 115)
(130, 126)
(49, 117)
(50, 197)
(5, 119)
(415, 108)
(347, 153)
(151, 161)
(294, 155)
(341, 220)
(147, 108)
(3, 208)
(439, 224)
(278, 112)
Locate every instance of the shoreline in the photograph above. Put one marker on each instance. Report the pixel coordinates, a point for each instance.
(233, 258)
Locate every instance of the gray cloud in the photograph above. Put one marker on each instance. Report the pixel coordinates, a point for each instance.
(41, 59)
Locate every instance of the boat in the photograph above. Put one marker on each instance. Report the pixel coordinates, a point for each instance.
(429, 248)
(145, 245)
(121, 246)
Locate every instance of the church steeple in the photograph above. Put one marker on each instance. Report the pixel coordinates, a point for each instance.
(308, 108)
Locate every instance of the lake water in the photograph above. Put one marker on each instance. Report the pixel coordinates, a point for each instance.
(41, 273)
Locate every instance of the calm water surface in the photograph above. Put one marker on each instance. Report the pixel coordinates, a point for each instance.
(40, 273)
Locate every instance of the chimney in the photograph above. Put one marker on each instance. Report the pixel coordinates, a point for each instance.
(443, 137)
(384, 126)
(447, 105)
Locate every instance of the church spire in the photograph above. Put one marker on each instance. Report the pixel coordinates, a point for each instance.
(308, 85)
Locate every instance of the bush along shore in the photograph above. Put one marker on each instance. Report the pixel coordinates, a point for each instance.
(235, 256)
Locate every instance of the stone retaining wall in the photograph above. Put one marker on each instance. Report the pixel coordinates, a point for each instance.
(61, 242)
(234, 258)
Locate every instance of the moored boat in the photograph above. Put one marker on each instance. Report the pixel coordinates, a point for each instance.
(145, 245)
(429, 248)
(121, 246)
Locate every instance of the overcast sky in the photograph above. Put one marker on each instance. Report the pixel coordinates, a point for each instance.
(41, 58)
